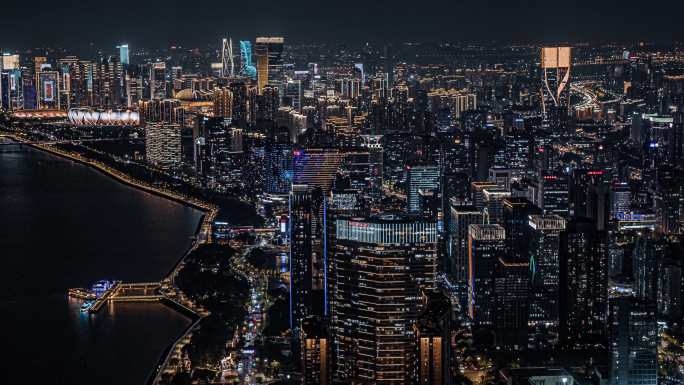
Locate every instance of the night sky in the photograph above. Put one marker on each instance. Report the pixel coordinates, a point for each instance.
(153, 23)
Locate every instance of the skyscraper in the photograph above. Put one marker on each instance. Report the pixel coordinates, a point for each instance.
(457, 250)
(246, 66)
(383, 263)
(584, 284)
(486, 243)
(227, 60)
(432, 330)
(544, 232)
(420, 177)
(555, 88)
(316, 352)
(633, 342)
(124, 55)
(511, 292)
(269, 61)
(157, 80)
(306, 254)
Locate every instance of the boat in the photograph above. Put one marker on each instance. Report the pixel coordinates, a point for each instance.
(86, 306)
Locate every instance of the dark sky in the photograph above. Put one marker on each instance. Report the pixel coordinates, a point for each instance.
(152, 23)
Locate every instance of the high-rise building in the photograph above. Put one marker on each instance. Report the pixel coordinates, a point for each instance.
(269, 61)
(124, 56)
(555, 84)
(511, 292)
(316, 351)
(633, 342)
(461, 217)
(382, 265)
(486, 243)
(163, 144)
(246, 66)
(275, 45)
(584, 284)
(157, 81)
(432, 331)
(420, 177)
(306, 208)
(227, 60)
(544, 248)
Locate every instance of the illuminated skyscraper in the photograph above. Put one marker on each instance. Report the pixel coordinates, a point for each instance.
(383, 263)
(555, 89)
(432, 330)
(227, 62)
(261, 56)
(457, 251)
(316, 352)
(420, 177)
(545, 267)
(486, 244)
(124, 57)
(633, 342)
(246, 66)
(306, 207)
(269, 57)
(157, 81)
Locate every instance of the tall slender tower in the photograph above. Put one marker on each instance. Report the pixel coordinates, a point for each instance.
(555, 90)
(227, 57)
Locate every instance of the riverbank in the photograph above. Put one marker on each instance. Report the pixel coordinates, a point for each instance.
(202, 233)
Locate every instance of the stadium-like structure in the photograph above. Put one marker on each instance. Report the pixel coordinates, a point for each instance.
(89, 117)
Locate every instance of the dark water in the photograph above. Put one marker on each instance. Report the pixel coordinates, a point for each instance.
(65, 225)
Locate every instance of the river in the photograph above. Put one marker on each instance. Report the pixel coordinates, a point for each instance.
(62, 225)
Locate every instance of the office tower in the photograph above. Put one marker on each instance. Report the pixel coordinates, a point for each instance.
(621, 199)
(48, 87)
(516, 212)
(645, 267)
(227, 61)
(383, 263)
(486, 243)
(584, 284)
(420, 177)
(669, 199)
(164, 111)
(223, 103)
(461, 217)
(553, 195)
(157, 81)
(511, 293)
(362, 171)
(269, 61)
(477, 192)
(544, 239)
(493, 203)
(316, 351)
(555, 87)
(633, 342)
(590, 196)
(277, 166)
(124, 57)
(163, 144)
(275, 57)
(306, 208)
(669, 299)
(432, 331)
(246, 66)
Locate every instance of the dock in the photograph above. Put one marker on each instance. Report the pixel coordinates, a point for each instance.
(104, 298)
